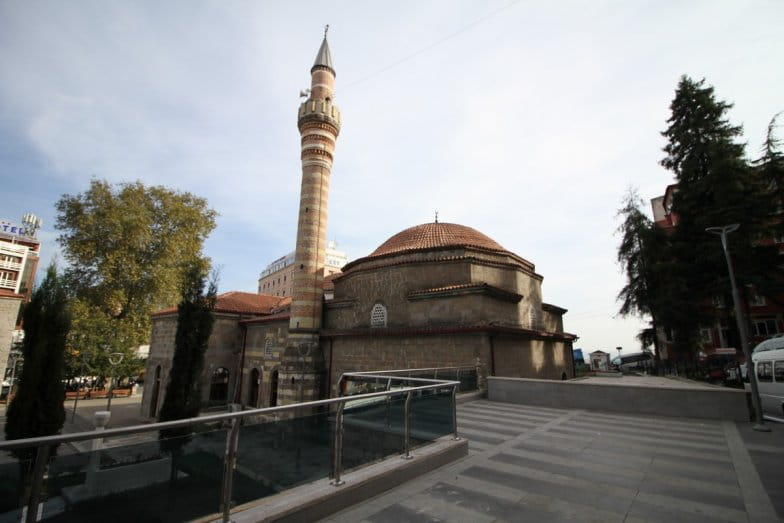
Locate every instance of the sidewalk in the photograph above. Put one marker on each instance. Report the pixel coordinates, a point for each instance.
(551, 465)
(125, 412)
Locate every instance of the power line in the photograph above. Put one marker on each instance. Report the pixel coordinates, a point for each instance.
(431, 46)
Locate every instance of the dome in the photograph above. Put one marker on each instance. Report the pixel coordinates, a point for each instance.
(434, 236)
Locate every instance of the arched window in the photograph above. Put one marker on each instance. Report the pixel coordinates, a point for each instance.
(219, 385)
(255, 384)
(378, 316)
(268, 347)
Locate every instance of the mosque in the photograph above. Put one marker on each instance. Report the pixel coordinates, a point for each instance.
(433, 295)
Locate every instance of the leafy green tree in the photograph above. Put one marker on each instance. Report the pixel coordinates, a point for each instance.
(127, 247)
(93, 337)
(716, 187)
(37, 409)
(640, 256)
(194, 327)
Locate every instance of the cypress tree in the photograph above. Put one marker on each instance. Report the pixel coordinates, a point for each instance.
(194, 326)
(37, 409)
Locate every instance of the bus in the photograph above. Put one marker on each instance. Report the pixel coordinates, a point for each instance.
(636, 362)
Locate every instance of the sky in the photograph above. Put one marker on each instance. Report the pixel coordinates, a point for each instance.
(525, 120)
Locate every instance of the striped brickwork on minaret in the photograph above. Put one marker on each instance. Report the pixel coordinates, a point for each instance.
(319, 125)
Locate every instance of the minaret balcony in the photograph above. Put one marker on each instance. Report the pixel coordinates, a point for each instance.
(319, 111)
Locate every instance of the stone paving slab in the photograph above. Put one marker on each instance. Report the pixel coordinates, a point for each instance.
(543, 464)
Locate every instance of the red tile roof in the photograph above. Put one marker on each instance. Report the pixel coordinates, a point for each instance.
(237, 302)
(436, 235)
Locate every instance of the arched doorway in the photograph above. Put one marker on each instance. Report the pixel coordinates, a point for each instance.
(156, 390)
(255, 382)
(219, 385)
(274, 389)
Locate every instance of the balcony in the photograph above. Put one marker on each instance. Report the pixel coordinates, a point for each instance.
(14, 266)
(8, 283)
(13, 249)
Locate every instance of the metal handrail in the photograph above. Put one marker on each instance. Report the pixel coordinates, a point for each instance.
(45, 443)
(467, 367)
(385, 377)
(150, 427)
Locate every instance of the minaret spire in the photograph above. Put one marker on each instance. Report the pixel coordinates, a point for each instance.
(324, 57)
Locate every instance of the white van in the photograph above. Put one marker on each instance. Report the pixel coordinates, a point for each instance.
(774, 343)
(769, 366)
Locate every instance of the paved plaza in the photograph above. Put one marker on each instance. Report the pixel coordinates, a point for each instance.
(531, 463)
(540, 464)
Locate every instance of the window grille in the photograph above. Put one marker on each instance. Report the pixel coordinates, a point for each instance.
(378, 316)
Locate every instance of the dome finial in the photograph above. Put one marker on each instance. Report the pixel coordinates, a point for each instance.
(326, 28)
(436, 216)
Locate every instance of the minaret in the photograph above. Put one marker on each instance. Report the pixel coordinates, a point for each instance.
(319, 125)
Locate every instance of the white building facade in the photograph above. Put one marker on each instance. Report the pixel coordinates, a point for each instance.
(277, 278)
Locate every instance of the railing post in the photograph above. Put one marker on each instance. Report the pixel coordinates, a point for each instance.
(454, 412)
(407, 427)
(41, 458)
(457, 376)
(229, 463)
(91, 480)
(389, 403)
(337, 456)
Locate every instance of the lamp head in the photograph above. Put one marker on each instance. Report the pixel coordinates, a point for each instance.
(723, 230)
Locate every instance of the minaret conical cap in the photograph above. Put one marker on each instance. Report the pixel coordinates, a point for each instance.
(324, 57)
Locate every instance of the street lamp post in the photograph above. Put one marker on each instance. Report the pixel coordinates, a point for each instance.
(115, 358)
(744, 339)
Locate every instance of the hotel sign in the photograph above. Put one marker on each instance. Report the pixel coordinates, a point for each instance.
(14, 229)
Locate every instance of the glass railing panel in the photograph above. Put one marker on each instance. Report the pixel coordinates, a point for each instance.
(274, 455)
(431, 415)
(358, 385)
(181, 478)
(372, 430)
(468, 380)
(177, 479)
(11, 488)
